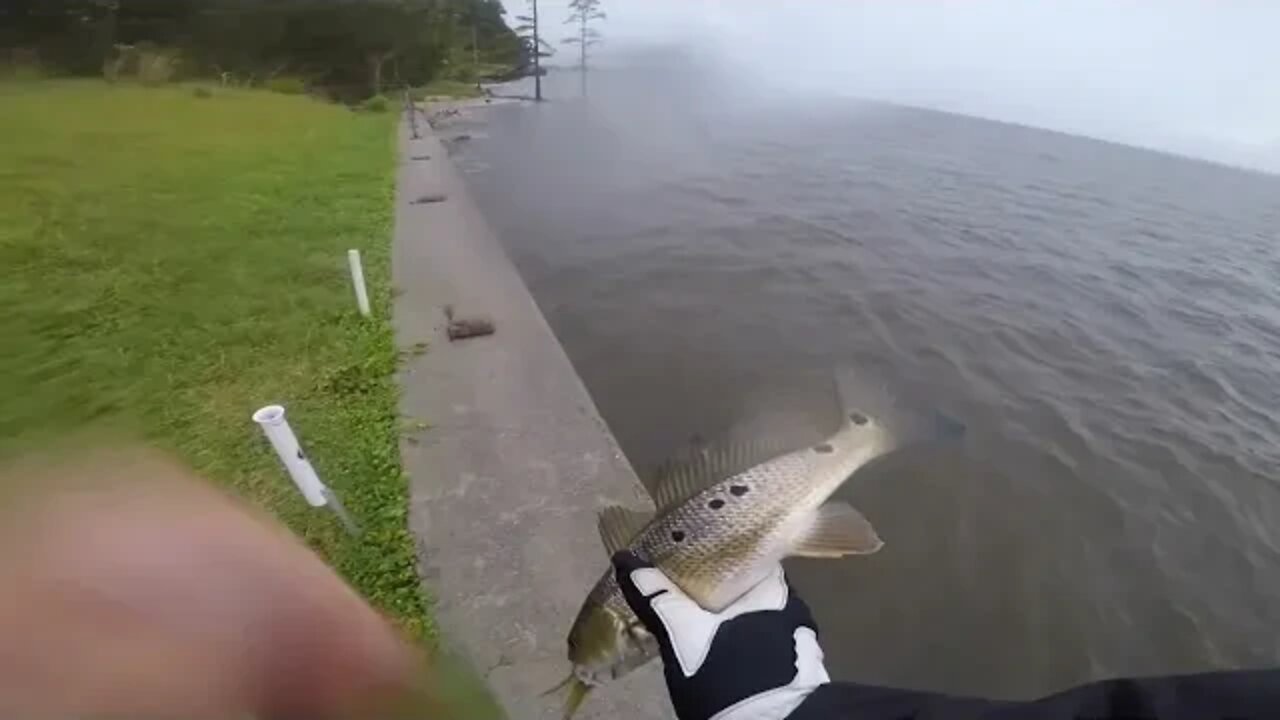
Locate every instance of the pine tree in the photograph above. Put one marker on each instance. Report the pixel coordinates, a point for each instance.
(584, 13)
(535, 47)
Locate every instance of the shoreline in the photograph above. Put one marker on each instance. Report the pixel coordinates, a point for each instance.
(505, 485)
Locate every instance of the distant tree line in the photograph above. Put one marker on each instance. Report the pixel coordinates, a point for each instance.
(350, 48)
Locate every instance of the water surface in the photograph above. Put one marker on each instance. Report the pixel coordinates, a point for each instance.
(1105, 320)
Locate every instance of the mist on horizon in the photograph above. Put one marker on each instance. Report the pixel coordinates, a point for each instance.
(1180, 75)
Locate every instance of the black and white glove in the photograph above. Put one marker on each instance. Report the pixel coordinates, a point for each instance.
(757, 659)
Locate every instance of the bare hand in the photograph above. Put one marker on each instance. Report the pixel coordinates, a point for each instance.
(129, 588)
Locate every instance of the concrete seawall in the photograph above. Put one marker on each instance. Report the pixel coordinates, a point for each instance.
(505, 486)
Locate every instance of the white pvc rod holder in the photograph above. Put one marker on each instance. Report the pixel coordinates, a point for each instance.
(357, 281)
(276, 428)
(272, 421)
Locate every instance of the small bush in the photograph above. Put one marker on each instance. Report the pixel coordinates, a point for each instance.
(150, 64)
(376, 104)
(202, 92)
(156, 67)
(287, 85)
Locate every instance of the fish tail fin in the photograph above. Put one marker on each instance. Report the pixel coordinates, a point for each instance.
(856, 399)
(574, 691)
(907, 421)
(840, 391)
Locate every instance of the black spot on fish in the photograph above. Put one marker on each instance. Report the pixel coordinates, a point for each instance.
(858, 418)
(738, 490)
(716, 504)
(823, 448)
(677, 535)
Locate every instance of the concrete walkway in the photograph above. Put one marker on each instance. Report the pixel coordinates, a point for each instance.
(505, 485)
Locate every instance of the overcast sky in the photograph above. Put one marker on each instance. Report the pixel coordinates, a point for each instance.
(1193, 76)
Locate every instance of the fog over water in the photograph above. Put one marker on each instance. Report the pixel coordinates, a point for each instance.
(1189, 76)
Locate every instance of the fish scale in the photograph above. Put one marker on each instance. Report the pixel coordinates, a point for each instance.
(739, 529)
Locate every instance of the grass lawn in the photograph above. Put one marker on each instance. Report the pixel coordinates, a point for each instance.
(169, 263)
(441, 88)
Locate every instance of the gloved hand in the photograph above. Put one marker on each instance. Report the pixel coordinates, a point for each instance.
(757, 659)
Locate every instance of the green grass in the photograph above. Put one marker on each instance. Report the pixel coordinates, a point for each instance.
(446, 88)
(376, 104)
(488, 70)
(170, 263)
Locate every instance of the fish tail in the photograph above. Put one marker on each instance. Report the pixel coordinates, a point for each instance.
(574, 690)
(850, 396)
(907, 422)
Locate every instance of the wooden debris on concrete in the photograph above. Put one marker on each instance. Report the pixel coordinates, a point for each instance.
(461, 328)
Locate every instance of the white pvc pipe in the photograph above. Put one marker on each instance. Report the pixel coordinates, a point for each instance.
(276, 428)
(357, 280)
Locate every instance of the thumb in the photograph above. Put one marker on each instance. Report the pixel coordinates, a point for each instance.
(641, 583)
(643, 577)
(652, 584)
(684, 630)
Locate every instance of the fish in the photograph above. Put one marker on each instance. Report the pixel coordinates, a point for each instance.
(718, 528)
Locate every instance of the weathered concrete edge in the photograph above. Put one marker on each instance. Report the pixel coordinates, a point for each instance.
(505, 485)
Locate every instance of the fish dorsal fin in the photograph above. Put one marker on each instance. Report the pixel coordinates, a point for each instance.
(836, 530)
(679, 479)
(619, 526)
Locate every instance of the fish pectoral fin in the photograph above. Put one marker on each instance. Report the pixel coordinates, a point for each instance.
(836, 530)
(619, 526)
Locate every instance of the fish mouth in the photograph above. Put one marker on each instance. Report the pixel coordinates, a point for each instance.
(574, 691)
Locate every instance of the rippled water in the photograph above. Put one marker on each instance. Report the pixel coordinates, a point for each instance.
(1105, 320)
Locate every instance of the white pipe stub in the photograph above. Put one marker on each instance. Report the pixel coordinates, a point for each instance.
(357, 281)
(269, 415)
(272, 421)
